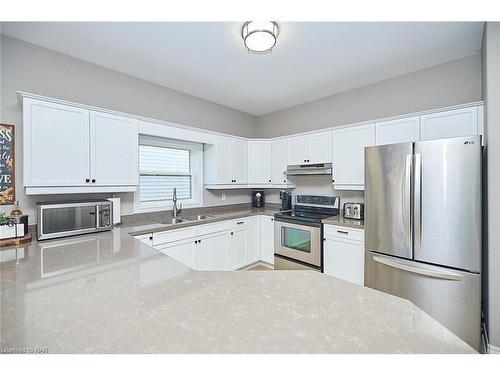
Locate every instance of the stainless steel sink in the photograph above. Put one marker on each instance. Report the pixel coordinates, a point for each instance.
(177, 220)
(199, 217)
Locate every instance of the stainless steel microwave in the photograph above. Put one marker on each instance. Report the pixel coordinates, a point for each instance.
(62, 219)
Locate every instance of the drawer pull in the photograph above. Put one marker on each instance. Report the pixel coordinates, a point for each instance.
(342, 231)
(240, 222)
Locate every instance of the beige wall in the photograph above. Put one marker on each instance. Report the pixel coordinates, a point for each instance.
(491, 81)
(447, 84)
(38, 70)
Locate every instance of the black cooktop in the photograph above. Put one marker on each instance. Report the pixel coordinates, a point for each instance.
(310, 209)
(305, 215)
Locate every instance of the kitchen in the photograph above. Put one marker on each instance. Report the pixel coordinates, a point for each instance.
(210, 228)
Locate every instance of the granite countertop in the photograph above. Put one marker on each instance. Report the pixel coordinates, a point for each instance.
(110, 293)
(340, 220)
(150, 226)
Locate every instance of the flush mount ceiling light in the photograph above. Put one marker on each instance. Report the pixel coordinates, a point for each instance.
(260, 36)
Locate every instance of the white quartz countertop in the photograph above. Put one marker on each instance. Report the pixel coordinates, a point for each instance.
(110, 293)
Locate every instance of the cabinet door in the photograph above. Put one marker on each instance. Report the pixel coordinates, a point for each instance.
(296, 150)
(267, 239)
(223, 160)
(211, 252)
(398, 131)
(349, 155)
(320, 147)
(259, 165)
(278, 161)
(238, 249)
(344, 260)
(239, 161)
(56, 144)
(182, 251)
(114, 148)
(455, 123)
(253, 239)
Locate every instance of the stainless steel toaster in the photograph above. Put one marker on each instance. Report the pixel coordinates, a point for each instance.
(354, 210)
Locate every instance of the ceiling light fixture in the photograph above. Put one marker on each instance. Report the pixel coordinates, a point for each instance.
(260, 36)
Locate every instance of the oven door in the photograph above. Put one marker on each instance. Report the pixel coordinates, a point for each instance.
(61, 220)
(298, 241)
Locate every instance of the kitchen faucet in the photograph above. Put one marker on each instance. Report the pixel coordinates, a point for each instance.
(175, 210)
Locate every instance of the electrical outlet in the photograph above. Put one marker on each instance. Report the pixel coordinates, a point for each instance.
(223, 197)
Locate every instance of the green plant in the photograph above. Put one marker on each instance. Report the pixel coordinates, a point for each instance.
(4, 220)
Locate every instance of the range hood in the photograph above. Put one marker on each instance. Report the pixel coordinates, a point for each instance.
(309, 169)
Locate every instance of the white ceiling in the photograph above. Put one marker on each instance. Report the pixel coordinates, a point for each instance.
(207, 59)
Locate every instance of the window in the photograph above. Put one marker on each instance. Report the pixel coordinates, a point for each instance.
(166, 164)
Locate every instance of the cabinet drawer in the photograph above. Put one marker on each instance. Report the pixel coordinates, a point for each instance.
(201, 230)
(238, 223)
(173, 235)
(333, 231)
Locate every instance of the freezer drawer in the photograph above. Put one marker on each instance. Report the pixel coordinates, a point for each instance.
(449, 296)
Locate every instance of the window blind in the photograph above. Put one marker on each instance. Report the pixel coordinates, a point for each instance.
(161, 169)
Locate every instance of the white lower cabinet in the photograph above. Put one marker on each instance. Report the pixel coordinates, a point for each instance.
(183, 251)
(220, 246)
(238, 248)
(253, 239)
(212, 252)
(344, 254)
(267, 239)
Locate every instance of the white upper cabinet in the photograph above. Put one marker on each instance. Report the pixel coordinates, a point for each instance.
(454, 123)
(296, 150)
(319, 147)
(259, 166)
(310, 149)
(56, 144)
(226, 161)
(239, 161)
(398, 131)
(69, 149)
(349, 155)
(278, 161)
(113, 149)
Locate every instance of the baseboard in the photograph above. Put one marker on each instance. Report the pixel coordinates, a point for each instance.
(493, 349)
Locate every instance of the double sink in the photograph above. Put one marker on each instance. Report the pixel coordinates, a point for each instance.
(178, 220)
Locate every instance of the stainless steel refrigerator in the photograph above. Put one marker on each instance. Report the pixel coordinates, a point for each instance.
(423, 228)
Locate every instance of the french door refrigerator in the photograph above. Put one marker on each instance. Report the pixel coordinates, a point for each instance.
(423, 228)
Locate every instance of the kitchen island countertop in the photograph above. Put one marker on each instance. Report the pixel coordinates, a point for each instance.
(110, 293)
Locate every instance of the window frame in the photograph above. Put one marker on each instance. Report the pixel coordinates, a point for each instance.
(196, 173)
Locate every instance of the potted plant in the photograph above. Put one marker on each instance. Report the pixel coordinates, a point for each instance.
(7, 227)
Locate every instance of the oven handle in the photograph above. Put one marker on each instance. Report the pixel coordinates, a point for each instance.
(292, 221)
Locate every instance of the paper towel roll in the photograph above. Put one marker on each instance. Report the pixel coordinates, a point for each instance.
(117, 215)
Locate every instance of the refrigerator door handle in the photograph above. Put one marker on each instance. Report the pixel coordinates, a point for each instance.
(417, 209)
(421, 271)
(407, 201)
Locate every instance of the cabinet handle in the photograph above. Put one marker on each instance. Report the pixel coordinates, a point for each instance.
(199, 241)
(151, 238)
(272, 219)
(232, 233)
(342, 231)
(269, 180)
(240, 222)
(87, 180)
(93, 180)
